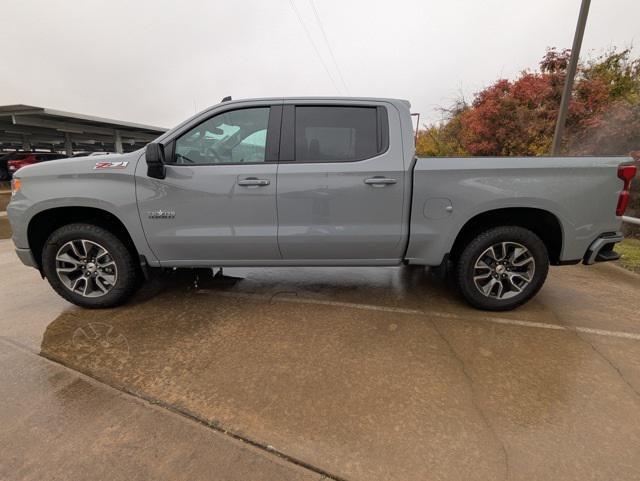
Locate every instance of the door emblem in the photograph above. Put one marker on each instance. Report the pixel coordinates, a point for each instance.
(161, 214)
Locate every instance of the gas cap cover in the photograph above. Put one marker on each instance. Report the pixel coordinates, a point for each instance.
(437, 208)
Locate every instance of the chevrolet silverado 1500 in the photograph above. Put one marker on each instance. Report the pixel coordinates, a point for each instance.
(313, 182)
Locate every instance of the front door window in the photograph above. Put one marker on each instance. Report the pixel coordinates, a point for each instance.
(235, 137)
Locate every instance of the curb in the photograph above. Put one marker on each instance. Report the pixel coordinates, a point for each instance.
(150, 403)
(621, 270)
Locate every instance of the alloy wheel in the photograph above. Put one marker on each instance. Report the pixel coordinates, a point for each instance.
(504, 270)
(86, 268)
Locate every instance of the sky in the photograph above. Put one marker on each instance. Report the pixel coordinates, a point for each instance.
(158, 62)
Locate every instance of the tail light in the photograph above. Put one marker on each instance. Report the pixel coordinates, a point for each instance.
(626, 173)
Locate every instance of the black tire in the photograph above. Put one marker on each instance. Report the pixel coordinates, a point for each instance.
(466, 269)
(127, 273)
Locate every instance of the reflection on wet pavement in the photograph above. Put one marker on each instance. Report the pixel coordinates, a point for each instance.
(384, 374)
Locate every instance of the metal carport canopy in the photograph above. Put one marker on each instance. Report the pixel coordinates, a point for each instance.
(26, 127)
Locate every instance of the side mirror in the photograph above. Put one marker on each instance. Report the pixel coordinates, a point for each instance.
(155, 161)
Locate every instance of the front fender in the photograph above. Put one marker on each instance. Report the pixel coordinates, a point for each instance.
(78, 185)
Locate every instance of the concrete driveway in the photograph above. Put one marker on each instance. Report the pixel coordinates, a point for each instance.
(369, 374)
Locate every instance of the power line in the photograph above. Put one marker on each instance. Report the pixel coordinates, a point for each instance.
(313, 44)
(326, 41)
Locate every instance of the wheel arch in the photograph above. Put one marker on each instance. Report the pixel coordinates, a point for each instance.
(541, 222)
(45, 222)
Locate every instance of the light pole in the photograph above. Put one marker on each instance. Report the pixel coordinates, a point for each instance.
(571, 73)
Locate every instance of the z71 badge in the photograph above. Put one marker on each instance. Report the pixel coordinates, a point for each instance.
(111, 165)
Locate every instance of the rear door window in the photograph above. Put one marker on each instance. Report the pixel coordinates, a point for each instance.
(338, 133)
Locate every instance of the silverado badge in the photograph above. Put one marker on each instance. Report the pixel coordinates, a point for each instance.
(161, 214)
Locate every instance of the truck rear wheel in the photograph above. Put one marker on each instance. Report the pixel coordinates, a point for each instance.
(89, 266)
(502, 268)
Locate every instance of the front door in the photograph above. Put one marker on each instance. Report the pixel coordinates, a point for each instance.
(217, 204)
(341, 182)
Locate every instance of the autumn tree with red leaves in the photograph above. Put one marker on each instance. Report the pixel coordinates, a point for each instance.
(517, 117)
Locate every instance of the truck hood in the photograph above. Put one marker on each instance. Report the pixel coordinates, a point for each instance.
(82, 165)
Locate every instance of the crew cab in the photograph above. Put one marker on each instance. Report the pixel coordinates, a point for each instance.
(313, 182)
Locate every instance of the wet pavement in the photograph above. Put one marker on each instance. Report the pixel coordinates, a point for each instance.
(57, 424)
(371, 373)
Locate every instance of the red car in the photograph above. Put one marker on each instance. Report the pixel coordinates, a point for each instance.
(27, 158)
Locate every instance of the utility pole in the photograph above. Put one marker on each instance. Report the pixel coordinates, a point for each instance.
(571, 73)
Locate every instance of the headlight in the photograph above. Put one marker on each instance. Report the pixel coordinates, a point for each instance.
(15, 186)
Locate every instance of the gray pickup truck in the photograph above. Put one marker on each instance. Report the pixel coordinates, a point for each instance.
(313, 182)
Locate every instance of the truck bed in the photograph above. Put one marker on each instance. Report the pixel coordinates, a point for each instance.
(581, 192)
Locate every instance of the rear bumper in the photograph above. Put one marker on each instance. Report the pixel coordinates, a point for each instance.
(601, 249)
(26, 257)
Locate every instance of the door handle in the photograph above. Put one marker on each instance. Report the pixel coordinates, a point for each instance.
(253, 181)
(380, 181)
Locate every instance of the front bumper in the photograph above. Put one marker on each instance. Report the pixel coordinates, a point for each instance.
(26, 257)
(601, 249)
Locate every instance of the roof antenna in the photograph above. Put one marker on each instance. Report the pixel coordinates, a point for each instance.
(227, 98)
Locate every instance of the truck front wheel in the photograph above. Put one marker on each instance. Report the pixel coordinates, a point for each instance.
(89, 266)
(502, 268)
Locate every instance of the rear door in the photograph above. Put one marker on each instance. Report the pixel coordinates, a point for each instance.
(217, 204)
(340, 183)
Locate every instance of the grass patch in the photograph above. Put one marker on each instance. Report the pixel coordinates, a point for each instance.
(629, 250)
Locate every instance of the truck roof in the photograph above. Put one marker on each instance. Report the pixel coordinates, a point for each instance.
(323, 99)
(398, 102)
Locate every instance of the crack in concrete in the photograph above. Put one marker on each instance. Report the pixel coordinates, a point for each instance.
(580, 335)
(610, 362)
(474, 402)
